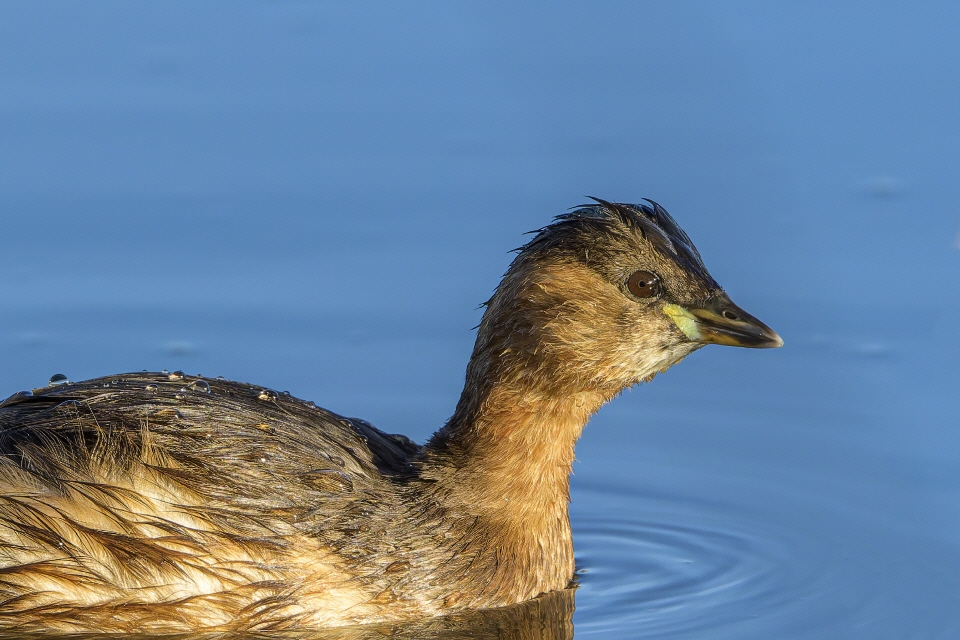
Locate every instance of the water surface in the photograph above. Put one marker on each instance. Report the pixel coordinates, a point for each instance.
(315, 198)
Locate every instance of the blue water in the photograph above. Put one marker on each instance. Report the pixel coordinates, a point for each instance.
(316, 197)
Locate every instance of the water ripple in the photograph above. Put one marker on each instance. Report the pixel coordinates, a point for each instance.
(680, 567)
(684, 567)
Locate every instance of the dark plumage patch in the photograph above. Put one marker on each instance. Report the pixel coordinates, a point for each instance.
(612, 226)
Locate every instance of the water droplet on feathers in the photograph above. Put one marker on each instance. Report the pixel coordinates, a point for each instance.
(397, 567)
(58, 379)
(328, 480)
(199, 385)
(15, 398)
(166, 412)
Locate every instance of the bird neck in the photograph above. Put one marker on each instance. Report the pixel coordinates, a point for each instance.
(503, 461)
(519, 443)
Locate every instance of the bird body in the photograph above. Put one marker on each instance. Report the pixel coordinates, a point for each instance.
(161, 502)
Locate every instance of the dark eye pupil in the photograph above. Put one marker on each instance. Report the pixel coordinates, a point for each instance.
(643, 284)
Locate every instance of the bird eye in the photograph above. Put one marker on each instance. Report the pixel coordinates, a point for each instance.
(643, 284)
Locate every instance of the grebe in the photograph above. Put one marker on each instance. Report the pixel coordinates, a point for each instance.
(155, 502)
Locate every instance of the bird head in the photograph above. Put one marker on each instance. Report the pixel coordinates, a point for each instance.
(608, 295)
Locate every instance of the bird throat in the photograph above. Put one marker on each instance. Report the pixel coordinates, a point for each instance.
(513, 456)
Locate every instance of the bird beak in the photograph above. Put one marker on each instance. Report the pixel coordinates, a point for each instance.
(719, 321)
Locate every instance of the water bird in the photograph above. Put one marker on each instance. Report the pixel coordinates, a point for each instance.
(163, 502)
